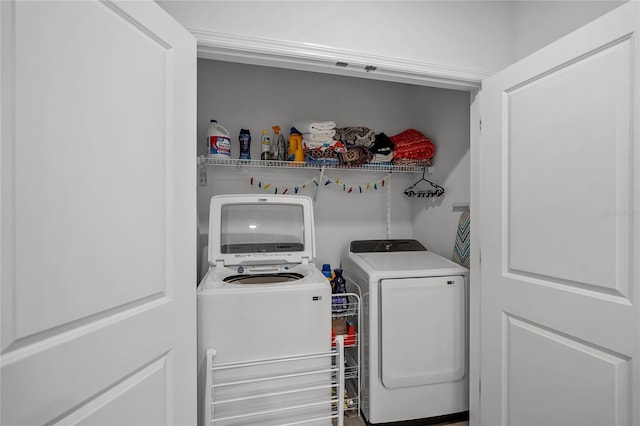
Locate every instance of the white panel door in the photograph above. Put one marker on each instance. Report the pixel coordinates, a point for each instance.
(560, 232)
(98, 215)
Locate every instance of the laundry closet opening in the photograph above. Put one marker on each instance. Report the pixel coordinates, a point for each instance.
(349, 204)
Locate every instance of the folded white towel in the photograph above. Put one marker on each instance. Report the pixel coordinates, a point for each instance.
(307, 144)
(310, 126)
(326, 136)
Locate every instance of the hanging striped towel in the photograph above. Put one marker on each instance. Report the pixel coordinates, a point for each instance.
(462, 247)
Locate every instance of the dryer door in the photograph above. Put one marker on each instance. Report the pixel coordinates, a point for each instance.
(422, 330)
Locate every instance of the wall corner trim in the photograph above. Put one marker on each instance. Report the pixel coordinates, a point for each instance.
(325, 59)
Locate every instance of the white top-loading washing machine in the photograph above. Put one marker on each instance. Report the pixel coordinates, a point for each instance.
(263, 299)
(414, 354)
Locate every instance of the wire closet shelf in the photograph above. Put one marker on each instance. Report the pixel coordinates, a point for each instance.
(374, 167)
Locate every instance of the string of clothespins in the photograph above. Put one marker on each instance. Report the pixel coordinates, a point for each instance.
(346, 187)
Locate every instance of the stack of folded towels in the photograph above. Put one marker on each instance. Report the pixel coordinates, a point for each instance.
(316, 134)
(318, 141)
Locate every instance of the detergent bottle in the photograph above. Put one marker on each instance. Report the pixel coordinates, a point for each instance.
(278, 145)
(296, 152)
(326, 271)
(265, 143)
(245, 144)
(339, 303)
(218, 141)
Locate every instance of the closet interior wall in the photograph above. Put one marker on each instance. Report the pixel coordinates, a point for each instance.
(257, 97)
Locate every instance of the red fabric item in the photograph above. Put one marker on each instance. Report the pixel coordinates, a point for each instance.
(411, 144)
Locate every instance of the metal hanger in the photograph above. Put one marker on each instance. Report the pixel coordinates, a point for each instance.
(432, 190)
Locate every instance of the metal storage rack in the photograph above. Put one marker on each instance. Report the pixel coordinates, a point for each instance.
(243, 392)
(352, 352)
(248, 392)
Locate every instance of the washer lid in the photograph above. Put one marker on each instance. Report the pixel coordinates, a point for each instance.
(260, 230)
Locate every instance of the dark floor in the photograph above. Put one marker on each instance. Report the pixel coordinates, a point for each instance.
(354, 420)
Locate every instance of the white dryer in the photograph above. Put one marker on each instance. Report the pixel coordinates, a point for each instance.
(263, 299)
(414, 310)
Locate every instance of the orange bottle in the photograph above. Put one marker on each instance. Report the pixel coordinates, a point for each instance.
(296, 153)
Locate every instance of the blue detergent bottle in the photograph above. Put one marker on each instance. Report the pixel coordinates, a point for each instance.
(326, 271)
(339, 303)
(245, 144)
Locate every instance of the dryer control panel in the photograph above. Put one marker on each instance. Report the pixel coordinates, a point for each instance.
(377, 246)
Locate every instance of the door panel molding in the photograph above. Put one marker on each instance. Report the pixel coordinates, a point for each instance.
(153, 378)
(42, 341)
(555, 223)
(558, 355)
(571, 61)
(135, 23)
(603, 293)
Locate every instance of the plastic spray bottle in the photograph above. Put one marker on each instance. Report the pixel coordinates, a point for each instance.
(278, 145)
(265, 143)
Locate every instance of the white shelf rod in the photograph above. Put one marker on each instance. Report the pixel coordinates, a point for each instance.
(241, 364)
(273, 411)
(266, 395)
(340, 363)
(283, 376)
(305, 421)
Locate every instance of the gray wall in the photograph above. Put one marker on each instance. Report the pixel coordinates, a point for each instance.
(538, 23)
(462, 34)
(253, 97)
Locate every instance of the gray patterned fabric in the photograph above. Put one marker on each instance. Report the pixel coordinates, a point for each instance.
(462, 247)
(355, 136)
